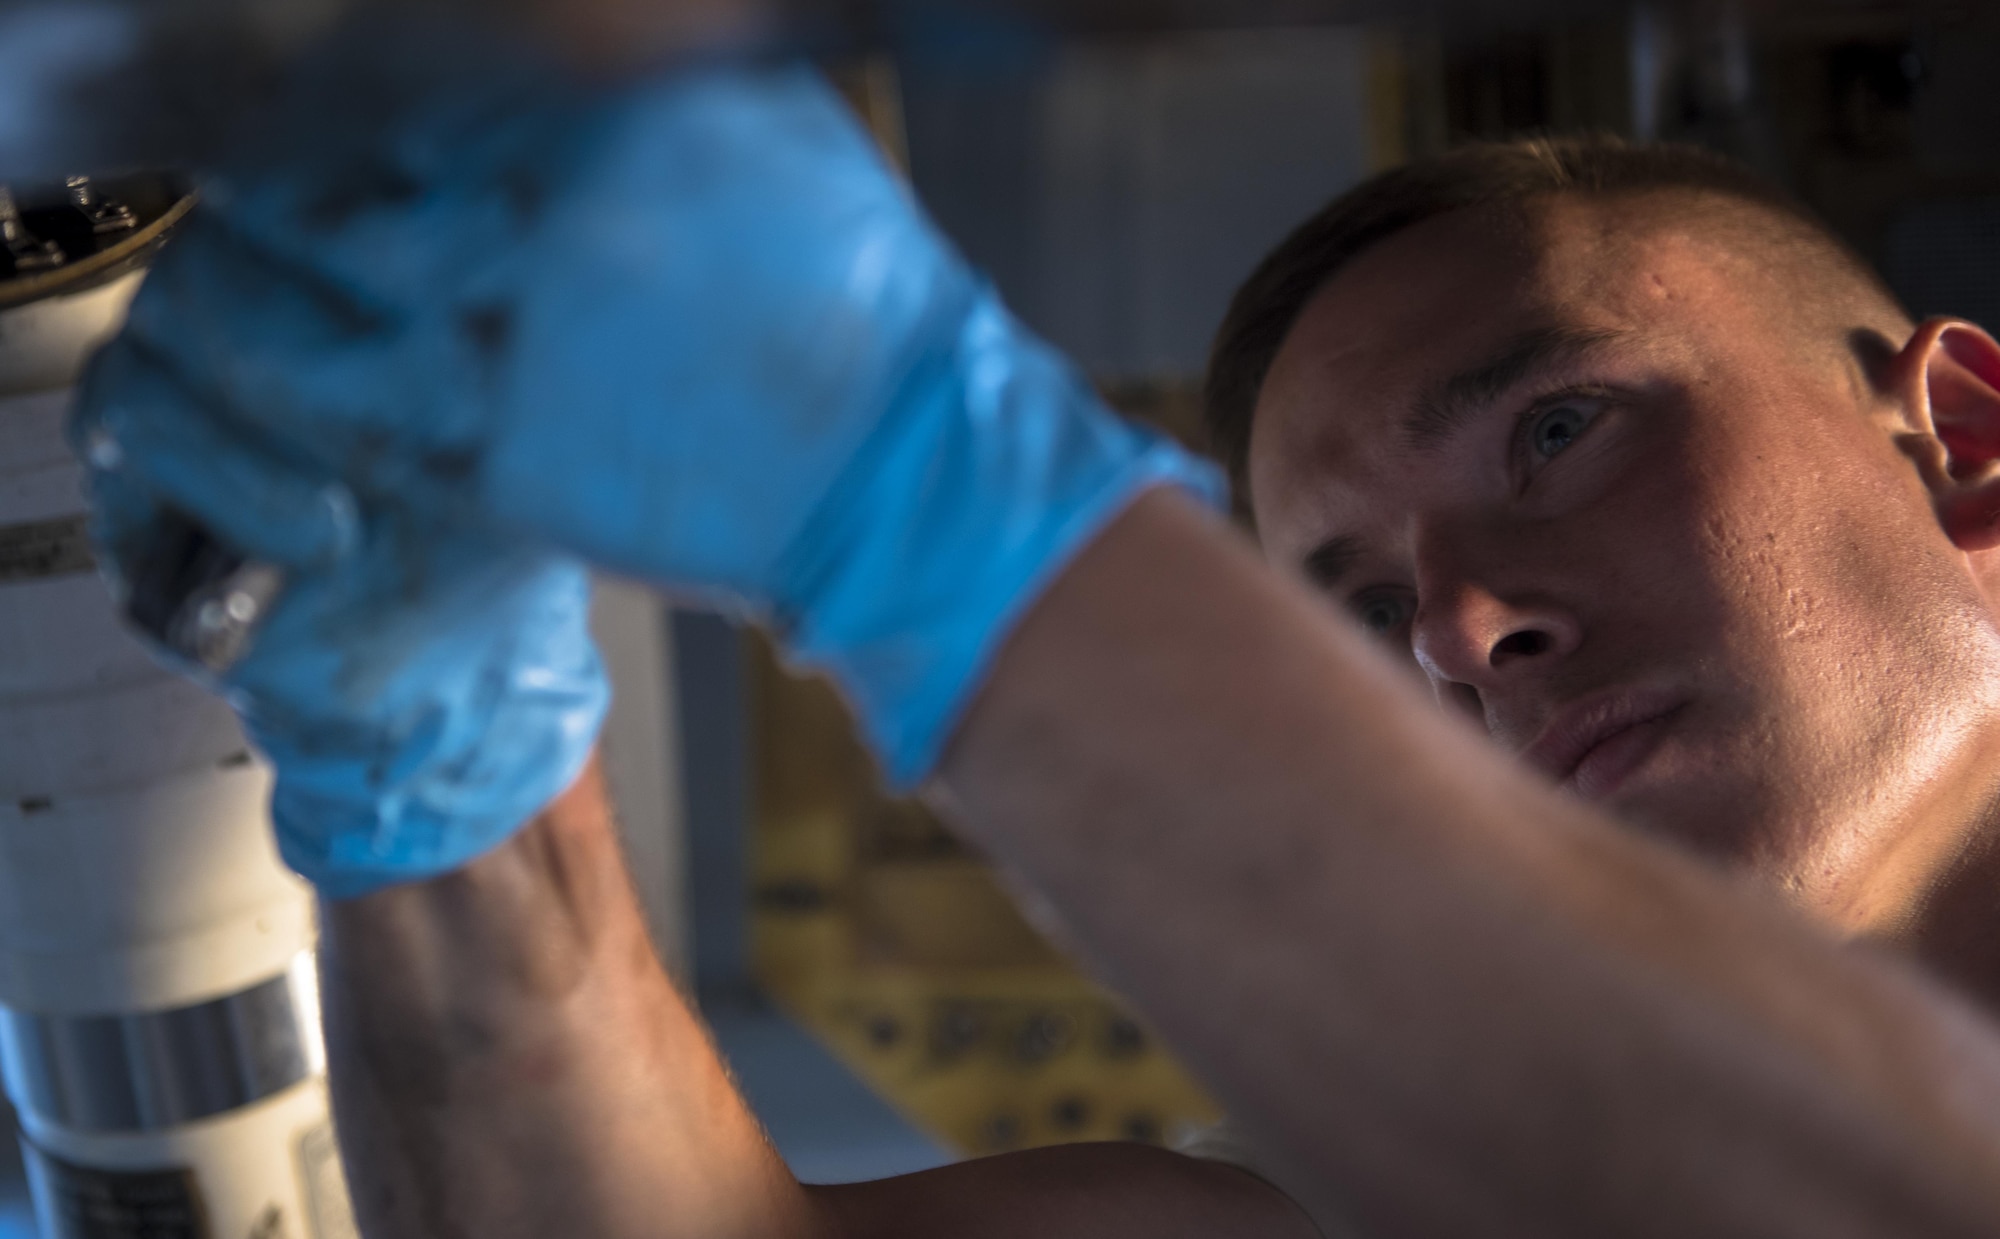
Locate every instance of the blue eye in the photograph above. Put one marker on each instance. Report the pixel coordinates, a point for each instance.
(1553, 429)
(1382, 614)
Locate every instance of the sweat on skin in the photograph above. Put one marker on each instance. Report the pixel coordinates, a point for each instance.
(1665, 452)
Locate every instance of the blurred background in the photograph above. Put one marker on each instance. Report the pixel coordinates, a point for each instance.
(1118, 168)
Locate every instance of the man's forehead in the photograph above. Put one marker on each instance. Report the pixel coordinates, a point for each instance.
(1419, 331)
(1452, 287)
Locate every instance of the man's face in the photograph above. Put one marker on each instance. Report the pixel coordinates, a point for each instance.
(1621, 507)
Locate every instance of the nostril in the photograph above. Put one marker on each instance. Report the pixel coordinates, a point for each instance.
(1466, 697)
(1527, 643)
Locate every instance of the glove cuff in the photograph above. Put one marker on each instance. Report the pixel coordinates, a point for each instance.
(998, 465)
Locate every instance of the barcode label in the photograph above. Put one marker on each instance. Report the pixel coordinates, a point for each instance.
(88, 1203)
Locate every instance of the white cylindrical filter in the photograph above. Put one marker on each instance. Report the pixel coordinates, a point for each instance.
(159, 1025)
(205, 1120)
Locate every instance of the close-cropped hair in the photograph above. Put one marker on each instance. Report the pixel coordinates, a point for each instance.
(1483, 174)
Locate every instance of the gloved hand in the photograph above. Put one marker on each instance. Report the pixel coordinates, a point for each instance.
(420, 689)
(693, 329)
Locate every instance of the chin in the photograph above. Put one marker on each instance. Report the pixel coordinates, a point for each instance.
(1718, 818)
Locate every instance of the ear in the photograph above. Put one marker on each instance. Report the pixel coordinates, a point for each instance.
(1948, 376)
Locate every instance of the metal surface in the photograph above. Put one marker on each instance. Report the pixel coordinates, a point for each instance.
(79, 234)
(28, 249)
(23, 250)
(148, 1071)
(196, 596)
(106, 215)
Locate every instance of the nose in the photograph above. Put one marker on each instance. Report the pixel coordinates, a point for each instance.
(1473, 640)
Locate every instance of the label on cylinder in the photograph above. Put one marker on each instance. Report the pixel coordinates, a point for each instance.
(84, 1202)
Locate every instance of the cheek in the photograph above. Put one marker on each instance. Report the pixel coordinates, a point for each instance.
(1772, 538)
(1847, 624)
(1668, 569)
(1824, 547)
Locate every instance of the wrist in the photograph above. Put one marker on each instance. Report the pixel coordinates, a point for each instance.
(988, 477)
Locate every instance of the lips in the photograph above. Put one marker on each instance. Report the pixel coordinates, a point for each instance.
(1592, 744)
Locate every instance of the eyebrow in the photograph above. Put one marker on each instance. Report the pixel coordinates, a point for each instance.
(1326, 563)
(1448, 405)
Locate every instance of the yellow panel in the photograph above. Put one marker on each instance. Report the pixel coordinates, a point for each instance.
(875, 928)
(1388, 101)
(892, 942)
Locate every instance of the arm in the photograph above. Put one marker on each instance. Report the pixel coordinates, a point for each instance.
(1436, 986)
(1453, 1001)
(508, 1059)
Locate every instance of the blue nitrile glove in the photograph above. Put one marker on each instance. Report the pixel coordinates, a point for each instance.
(420, 690)
(692, 328)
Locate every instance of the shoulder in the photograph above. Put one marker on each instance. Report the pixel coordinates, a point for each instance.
(1225, 1144)
(1090, 1191)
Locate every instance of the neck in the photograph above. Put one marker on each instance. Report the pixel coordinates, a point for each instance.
(1938, 897)
(1955, 929)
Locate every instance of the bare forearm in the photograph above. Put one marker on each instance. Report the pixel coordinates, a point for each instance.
(1456, 1002)
(508, 1059)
